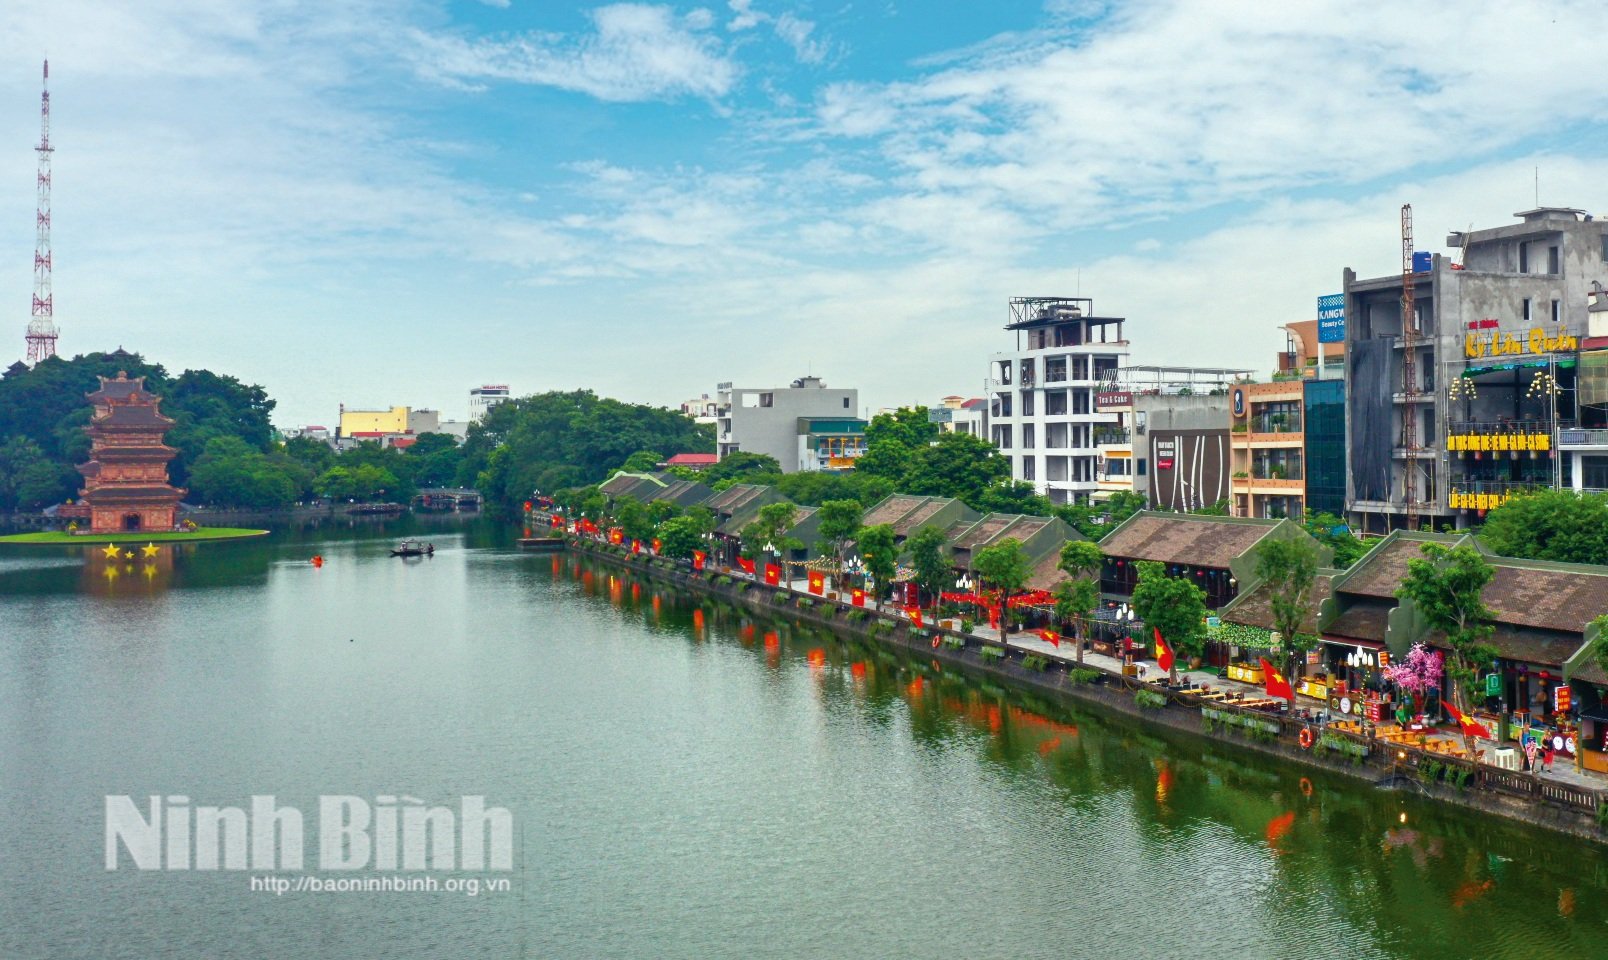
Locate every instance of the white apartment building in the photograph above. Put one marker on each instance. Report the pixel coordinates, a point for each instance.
(1041, 409)
(483, 398)
(770, 420)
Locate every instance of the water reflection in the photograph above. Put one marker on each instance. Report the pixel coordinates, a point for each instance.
(1317, 855)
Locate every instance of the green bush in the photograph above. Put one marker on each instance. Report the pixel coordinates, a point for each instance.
(1149, 699)
(955, 643)
(1460, 776)
(967, 625)
(1035, 662)
(804, 603)
(722, 581)
(1085, 675)
(1429, 769)
(855, 616)
(991, 653)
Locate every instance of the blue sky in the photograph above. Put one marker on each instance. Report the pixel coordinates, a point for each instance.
(382, 201)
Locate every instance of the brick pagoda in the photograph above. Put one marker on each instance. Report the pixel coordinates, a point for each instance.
(126, 483)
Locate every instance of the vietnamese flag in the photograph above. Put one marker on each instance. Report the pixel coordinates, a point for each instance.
(616, 535)
(657, 545)
(1050, 637)
(1164, 653)
(857, 597)
(698, 558)
(636, 545)
(915, 615)
(773, 574)
(1277, 684)
(817, 582)
(746, 564)
(1471, 727)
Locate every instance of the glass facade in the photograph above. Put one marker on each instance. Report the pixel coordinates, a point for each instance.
(1326, 446)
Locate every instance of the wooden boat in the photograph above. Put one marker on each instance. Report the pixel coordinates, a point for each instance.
(413, 548)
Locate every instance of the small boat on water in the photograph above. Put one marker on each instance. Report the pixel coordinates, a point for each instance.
(413, 548)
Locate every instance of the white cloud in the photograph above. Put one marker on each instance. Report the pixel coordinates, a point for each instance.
(1170, 105)
(636, 52)
(796, 34)
(746, 18)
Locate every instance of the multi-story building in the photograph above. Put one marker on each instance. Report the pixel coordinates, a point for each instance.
(774, 420)
(1041, 411)
(1323, 423)
(830, 443)
(1181, 449)
(373, 422)
(1269, 449)
(1123, 458)
(957, 414)
(486, 396)
(701, 409)
(1494, 353)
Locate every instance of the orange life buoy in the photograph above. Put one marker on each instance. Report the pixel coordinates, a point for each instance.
(1305, 738)
(1306, 787)
(935, 643)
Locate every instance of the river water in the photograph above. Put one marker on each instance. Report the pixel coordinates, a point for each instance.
(682, 782)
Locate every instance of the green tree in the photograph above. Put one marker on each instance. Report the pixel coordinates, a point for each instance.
(643, 461)
(1288, 569)
(928, 552)
(1550, 525)
(879, 551)
(1174, 606)
(741, 467)
(768, 532)
(958, 465)
(631, 516)
(680, 536)
(1004, 567)
(1075, 599)
(839, 523)
(1446, 587)
(1332, 532)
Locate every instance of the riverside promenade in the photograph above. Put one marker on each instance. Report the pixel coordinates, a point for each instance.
(1563, 801)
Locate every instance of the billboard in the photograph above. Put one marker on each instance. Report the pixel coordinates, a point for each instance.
(1332, 318)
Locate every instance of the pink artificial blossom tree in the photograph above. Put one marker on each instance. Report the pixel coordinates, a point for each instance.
(1418, 674)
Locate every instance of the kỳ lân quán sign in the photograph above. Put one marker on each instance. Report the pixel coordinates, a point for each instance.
(1498, 344)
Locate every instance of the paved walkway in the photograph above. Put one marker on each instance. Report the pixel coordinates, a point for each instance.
(1563, 769)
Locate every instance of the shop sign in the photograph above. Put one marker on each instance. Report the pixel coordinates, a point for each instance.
(1113, 398)
(1499, 344)
(1493, 685)
(1332, 318)
(1560, 698)
(1164, 454)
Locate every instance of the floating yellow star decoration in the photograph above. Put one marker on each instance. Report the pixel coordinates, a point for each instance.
(111, 551)
(128, 555)
(150, 550)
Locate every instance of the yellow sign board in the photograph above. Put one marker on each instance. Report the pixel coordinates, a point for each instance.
(1507, 344)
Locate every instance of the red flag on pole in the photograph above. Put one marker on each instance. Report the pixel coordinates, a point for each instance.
(1277, 685)
(1164, 653)
(657, 545)
(1469, 725)
(857, 597)
(698, 558)
(746, 564)
(1050, 637)
(817, 582)
(636, 545)
(915, 615)
(773, 574)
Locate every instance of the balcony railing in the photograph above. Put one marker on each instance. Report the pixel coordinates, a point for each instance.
(1276, 423)
(1111, 435)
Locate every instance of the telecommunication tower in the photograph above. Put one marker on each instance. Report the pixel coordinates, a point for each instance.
(1409, 370)
(42, 326)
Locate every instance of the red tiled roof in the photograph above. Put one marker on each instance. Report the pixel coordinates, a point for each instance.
(693, 460)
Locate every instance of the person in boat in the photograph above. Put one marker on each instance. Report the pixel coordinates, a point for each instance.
(429, 549)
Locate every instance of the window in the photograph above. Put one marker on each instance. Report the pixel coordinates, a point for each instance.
(845, 403)
(1027, 402)
(1524, 258)
(1553, 260)
(1524, 309)
(1605, 248)
(1139, 466)
(750, 399)
(1557, 311)
(1029, 437)
(767, 399)
(1029, 469)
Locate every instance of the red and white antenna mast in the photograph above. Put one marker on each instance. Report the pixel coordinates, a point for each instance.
(42, 327)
